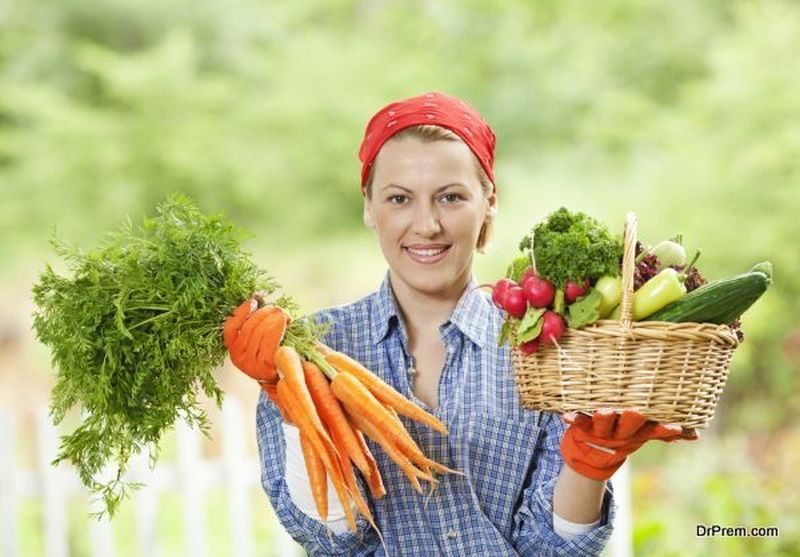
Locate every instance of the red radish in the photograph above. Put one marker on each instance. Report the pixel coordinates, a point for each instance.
(573, 291)
(499, 290)
(529, 347)
(552, 326)
(526, 274)
(538, 291)
(514, 302)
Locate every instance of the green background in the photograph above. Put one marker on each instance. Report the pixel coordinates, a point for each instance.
(687, 113)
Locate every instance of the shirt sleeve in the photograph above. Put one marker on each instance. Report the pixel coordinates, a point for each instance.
(534, 533)
(571, 530)
(312, 534)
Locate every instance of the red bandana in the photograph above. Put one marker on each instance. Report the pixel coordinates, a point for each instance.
(431, 108)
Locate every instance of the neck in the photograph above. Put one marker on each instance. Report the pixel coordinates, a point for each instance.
(423, 312)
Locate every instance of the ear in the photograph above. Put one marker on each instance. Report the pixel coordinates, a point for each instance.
(369, 221)
(491, 210)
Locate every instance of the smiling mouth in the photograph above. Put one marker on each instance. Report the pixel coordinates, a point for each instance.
(427, 255)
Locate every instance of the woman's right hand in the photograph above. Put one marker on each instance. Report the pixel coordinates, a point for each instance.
(252, 335)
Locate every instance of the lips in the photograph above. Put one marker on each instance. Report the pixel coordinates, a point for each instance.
(431, 252)
(427, 254)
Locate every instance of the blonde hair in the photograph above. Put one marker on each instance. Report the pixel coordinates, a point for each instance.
(429, 133)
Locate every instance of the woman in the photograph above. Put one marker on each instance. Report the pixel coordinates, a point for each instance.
(429, 193)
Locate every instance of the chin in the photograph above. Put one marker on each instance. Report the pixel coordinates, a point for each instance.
(430, 283)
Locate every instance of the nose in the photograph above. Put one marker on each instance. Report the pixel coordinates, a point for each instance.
(427, 223)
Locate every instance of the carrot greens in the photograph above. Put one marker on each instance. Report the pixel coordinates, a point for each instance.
(135, 334)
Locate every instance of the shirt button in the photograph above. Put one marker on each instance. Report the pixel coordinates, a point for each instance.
(452, 533)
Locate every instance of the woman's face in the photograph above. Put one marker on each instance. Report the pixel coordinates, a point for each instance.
(427, 207)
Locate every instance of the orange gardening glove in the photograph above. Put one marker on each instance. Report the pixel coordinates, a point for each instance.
(252, 336)
(596, 446)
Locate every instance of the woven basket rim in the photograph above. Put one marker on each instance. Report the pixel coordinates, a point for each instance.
(722, 334)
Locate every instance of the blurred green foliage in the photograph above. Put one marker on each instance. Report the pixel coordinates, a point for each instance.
(687, 113)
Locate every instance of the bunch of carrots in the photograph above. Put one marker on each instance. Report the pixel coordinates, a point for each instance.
(334, 401)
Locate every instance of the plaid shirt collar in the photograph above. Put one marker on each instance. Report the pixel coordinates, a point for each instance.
(472, 309)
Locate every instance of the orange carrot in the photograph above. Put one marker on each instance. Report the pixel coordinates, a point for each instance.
(326, 453)
(374, 479)
(417, 456)
(355, 492)
(316, 475)
(425, 463)
(290, 369)
(360, 400)
(341, 432)
(396, 419)
(303, 422)
(342, 491)
(358, 499)
(332, 415)
(410, 471)
(272, 392)
(380, 389)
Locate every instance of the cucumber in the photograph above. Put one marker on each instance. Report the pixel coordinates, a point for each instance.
(721, 301)
(763, 267)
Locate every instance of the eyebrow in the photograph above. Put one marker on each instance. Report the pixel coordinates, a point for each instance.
(440, 189)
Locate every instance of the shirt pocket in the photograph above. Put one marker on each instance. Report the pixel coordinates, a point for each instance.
(501, 449)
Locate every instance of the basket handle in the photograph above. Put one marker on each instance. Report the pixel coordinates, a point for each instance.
(628, 263)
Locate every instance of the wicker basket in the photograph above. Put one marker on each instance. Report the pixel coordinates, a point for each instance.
(671, 372)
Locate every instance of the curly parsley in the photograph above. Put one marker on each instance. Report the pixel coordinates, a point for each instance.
(573, 246)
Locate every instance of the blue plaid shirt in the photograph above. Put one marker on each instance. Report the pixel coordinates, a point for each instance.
(510, 456)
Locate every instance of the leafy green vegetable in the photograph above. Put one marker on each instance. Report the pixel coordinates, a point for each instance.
(585, 310)
(506, 330)
(517, 267)
(573, 246)
(531, 325)
(136, 333)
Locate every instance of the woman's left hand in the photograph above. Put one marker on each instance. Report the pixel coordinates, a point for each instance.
(596, 446)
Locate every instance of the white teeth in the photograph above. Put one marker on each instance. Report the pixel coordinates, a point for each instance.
(427, 252)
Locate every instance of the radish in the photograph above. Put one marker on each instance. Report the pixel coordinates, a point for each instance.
(538, 291)
(573, 291)
(529, 347)
(514, 302)
(499, 290)
(526, 274)
(552, 327)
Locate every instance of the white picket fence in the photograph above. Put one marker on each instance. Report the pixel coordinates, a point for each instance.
(236, 472)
